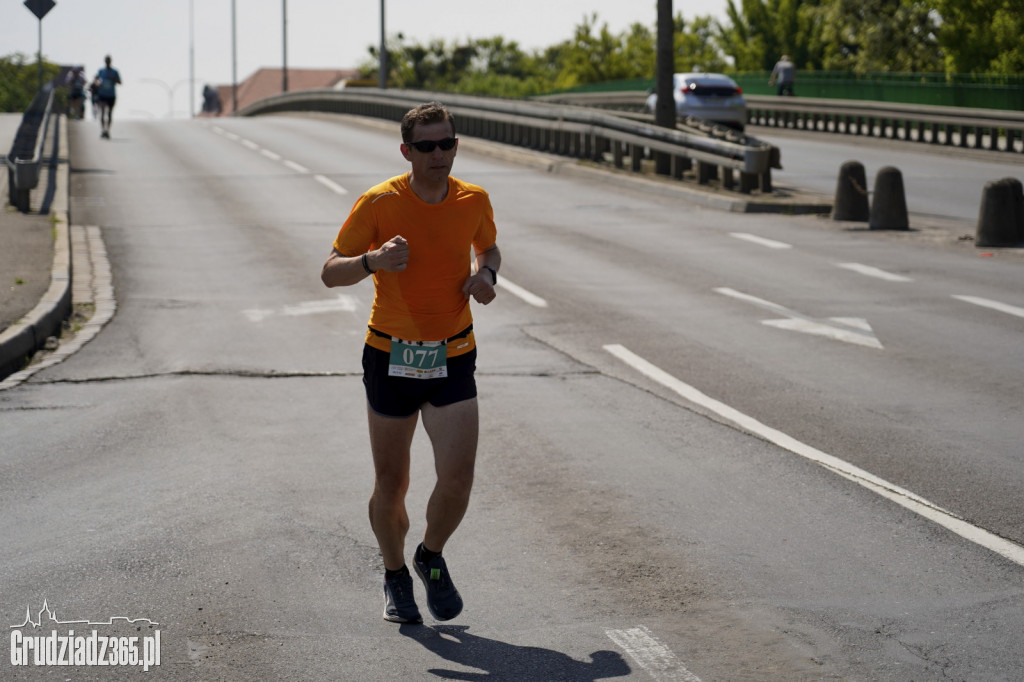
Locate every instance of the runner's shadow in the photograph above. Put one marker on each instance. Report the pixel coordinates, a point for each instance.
(502, 661)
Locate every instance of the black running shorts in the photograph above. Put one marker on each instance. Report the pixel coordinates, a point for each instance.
(402, 397)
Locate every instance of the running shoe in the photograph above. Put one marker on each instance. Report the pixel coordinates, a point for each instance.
(443, 599)
(399, 602)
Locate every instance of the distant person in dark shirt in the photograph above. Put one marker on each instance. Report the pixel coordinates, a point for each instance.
(76, 92)
(211, 100)
(106, 81)
(785, 74)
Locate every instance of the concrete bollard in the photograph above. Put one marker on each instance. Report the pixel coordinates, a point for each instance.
(889, 205)
(1001, 217)
(851, 193)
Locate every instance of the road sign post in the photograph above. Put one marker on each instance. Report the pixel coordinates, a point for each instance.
(40, 8)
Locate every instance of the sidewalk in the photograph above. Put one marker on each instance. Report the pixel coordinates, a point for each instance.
(35, 258)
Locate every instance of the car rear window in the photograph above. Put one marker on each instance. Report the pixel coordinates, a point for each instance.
(709, 90)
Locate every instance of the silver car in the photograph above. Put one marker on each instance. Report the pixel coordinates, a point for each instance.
(710, 96)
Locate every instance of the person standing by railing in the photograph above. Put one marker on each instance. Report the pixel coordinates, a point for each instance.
(785, 73)
(107, 79)
(75, 81)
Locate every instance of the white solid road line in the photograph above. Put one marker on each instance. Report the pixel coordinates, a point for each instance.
(330, 184)
(770, 243)
(874, 272)
(651, 655)
(994, 305)
(522, 293)
(904, 498)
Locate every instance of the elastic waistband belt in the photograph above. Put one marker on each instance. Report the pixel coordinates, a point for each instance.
(465, 332)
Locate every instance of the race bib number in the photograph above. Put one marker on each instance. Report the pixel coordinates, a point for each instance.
(418, 359)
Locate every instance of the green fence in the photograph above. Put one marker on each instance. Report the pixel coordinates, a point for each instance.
(978, 91)
(974, 91)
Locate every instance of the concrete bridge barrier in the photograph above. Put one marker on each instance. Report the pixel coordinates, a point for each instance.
(851, 201)
(889, 204)
(1001, 217)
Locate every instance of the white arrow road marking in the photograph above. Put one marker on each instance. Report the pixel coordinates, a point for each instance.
(994, 305)
(651, 655)
(770, 243)
(874, 272)
(880, 486)
(849, 329)
(343, 303)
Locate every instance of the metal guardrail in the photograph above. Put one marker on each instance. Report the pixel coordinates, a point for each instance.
(987, 129)
(26, 156)
(708, 150)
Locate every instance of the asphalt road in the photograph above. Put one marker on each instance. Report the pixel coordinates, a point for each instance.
(714, 447)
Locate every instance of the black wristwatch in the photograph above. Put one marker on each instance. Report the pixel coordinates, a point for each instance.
(494, 273)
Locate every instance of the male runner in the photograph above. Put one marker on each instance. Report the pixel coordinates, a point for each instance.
(413, 234)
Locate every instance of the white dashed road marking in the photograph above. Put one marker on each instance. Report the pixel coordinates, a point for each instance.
(522, 293)
(870, 271)
(330, 184)
(770, 243)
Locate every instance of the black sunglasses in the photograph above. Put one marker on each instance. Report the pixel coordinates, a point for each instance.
(427, 146)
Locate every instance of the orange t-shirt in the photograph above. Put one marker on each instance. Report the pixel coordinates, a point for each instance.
(424, 302)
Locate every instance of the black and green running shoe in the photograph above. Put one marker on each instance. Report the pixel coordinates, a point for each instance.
(443, 599)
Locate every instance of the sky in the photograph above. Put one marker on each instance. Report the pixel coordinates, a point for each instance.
(151, 41)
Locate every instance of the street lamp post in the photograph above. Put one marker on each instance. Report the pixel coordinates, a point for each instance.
(665, 109)
(170, 89)
(234, 61)
(191, 60)
(382, 74)
(284, 45)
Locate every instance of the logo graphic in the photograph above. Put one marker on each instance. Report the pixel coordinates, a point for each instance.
(92, 649)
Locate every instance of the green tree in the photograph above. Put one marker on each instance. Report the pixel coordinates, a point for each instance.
(758, 32)
(981, 35)
(19, 81)
(878, 35)
(697, 46)
(593, 55)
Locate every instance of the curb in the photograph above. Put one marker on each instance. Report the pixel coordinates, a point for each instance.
(23, 338)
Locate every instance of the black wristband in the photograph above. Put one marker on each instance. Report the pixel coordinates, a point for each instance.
(366, 265)
(494, 273)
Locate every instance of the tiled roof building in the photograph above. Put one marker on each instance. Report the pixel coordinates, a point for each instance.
(266, 82)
